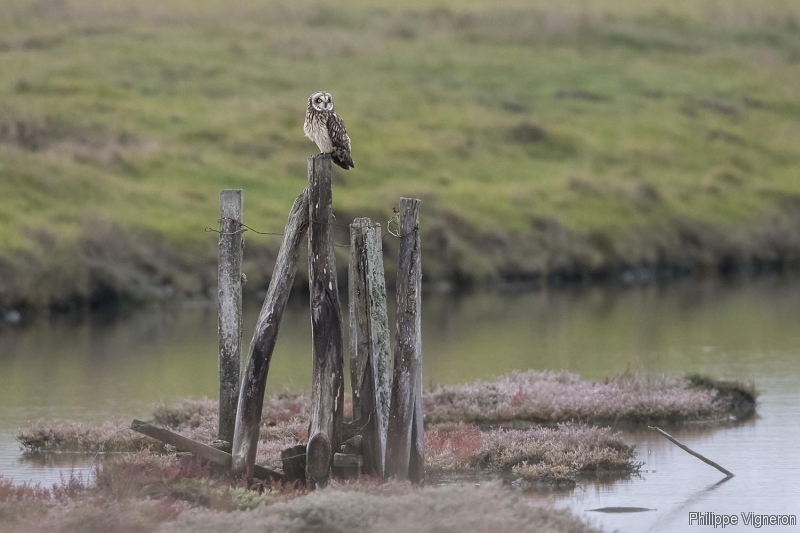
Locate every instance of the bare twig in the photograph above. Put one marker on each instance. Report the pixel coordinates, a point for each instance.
(688, 450)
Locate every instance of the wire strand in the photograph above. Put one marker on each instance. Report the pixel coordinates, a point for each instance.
(244, 227)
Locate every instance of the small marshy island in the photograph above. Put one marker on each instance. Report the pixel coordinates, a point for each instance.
(472, 432)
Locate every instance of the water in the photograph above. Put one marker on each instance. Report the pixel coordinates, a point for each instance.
(108, 367)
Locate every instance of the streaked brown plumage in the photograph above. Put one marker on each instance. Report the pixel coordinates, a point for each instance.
(323, 126)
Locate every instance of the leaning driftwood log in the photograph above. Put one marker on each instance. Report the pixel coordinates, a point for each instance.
(327, 389)
(199, 449)
(370, 359)
(231, 248)
(405, 449)
(688, 450)
(251, 395)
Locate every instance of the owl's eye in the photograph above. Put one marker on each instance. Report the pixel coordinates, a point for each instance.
(319, 100)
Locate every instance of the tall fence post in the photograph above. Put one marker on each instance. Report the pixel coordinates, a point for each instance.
(327, 390)
(405, 457)
(357, 300)
(251, 396)
(231, 247)
(370, 358)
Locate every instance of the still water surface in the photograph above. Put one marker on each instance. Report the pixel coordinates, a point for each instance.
(106, 367)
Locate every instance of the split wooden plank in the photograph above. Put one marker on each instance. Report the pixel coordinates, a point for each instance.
(199, 449)
(327, 389)
(229, 279)
(251, 396)
(405, 456)
(370, 358)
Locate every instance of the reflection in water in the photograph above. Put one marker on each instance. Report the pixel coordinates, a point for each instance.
(57, 462)
(115, 367)
(678, 515)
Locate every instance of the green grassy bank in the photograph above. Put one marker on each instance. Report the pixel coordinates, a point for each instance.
(544, 138)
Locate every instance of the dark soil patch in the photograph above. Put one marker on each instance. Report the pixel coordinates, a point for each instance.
(739, 399)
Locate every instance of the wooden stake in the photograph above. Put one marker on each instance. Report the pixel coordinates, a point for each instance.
(405, 457)
(370, 359)
(231, 247)
(318, 460)
(251, 397)
(357, 299)
(327, 390)
(690, 451)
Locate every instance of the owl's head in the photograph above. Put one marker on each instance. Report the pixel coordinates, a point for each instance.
(321, 101)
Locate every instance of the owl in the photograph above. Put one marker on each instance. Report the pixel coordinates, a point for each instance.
(326, 129)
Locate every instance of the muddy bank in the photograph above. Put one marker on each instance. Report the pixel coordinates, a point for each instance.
(109, 264)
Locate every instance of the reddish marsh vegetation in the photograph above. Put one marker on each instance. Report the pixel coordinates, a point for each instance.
(552, 397)
(542, 397)
(141, 493)
(558, 453)
(150, 488)
(556, 456)
(393, 509)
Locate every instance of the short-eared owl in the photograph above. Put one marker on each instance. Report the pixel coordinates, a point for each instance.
(326, 129)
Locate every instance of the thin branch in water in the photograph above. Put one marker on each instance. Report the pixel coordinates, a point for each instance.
(688, 450)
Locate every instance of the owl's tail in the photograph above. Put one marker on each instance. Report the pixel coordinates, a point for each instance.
(342, 158)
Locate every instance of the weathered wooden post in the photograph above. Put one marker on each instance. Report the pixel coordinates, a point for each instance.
(370, 358)
(251, 396)
(231, 247)
(405, 456)
(327, 389)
